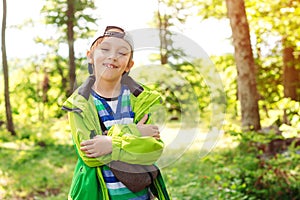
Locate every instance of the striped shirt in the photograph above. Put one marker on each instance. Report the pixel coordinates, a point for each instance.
(117, 111)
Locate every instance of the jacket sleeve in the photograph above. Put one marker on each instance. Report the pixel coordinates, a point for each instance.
(129, 146)
(80, 133)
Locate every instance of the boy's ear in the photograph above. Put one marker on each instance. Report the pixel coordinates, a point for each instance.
(129, 66)
(89, 56)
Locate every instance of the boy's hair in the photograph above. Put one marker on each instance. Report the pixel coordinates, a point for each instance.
(114, 31)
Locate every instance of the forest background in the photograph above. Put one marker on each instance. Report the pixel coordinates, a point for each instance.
(238, 109)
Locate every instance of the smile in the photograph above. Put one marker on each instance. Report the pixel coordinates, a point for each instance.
(111, 66)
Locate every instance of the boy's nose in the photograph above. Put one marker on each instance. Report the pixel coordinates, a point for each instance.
(113, 55)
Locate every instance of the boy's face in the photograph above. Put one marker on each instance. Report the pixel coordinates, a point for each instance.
(111, 58)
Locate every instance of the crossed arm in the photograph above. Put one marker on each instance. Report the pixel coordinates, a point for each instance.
(101, 145)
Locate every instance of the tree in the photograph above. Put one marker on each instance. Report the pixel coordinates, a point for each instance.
(290, 54)
(290, 74)
(247, 92)
(170, 13)
(163, 25)
(68, 15)
(276, 29)
(70, 37)
(9, 118)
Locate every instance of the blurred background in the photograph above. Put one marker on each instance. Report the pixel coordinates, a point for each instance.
(228, 71)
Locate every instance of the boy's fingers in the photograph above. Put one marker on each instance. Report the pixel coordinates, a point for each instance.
(157, 136)
(93, 155)
(143, 120)
(85, 148)
(155, 128)
(87, 142)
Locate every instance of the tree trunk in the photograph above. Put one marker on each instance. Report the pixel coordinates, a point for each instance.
(9, 119)
(290, 74)
(247, 92)
(163, 34)
(70, 37)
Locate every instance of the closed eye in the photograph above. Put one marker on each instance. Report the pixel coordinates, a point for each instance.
(123, 53)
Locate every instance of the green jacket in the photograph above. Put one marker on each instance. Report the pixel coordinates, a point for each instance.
(127, 144)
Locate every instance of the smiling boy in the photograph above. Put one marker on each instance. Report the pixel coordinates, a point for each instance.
(109, 121)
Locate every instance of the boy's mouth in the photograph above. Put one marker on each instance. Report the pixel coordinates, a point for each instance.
(111, 66)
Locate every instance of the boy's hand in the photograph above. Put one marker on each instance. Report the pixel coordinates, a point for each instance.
(98, 146)
(148, 129)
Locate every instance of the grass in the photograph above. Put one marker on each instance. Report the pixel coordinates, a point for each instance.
(36, 172)
(194, 172)
(46, 172)
(190, 178)
(30, 171)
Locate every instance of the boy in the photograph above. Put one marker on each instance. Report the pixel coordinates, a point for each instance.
(109, 120)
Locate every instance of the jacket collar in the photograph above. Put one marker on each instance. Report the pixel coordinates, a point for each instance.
(135, 88)
(85, 89)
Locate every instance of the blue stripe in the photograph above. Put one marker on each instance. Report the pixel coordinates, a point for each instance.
(108, 176)
(110, 179)
(107, 118)
(128, 115)
(132, 114)
(103, 113)
(107, 173)
(95, 95)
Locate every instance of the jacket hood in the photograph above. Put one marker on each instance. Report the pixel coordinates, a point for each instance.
(85, 90)
(135, 88)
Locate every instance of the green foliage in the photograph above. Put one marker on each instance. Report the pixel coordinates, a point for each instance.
(269, 78)
(253, 173)
(197, 84)
(228, 73)
(211, 9)
(273, 29)
(38, 104)
(193, 92)
(283, 114)
(243, 172)
(276, 17)
(43, 133)
(56, 14)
